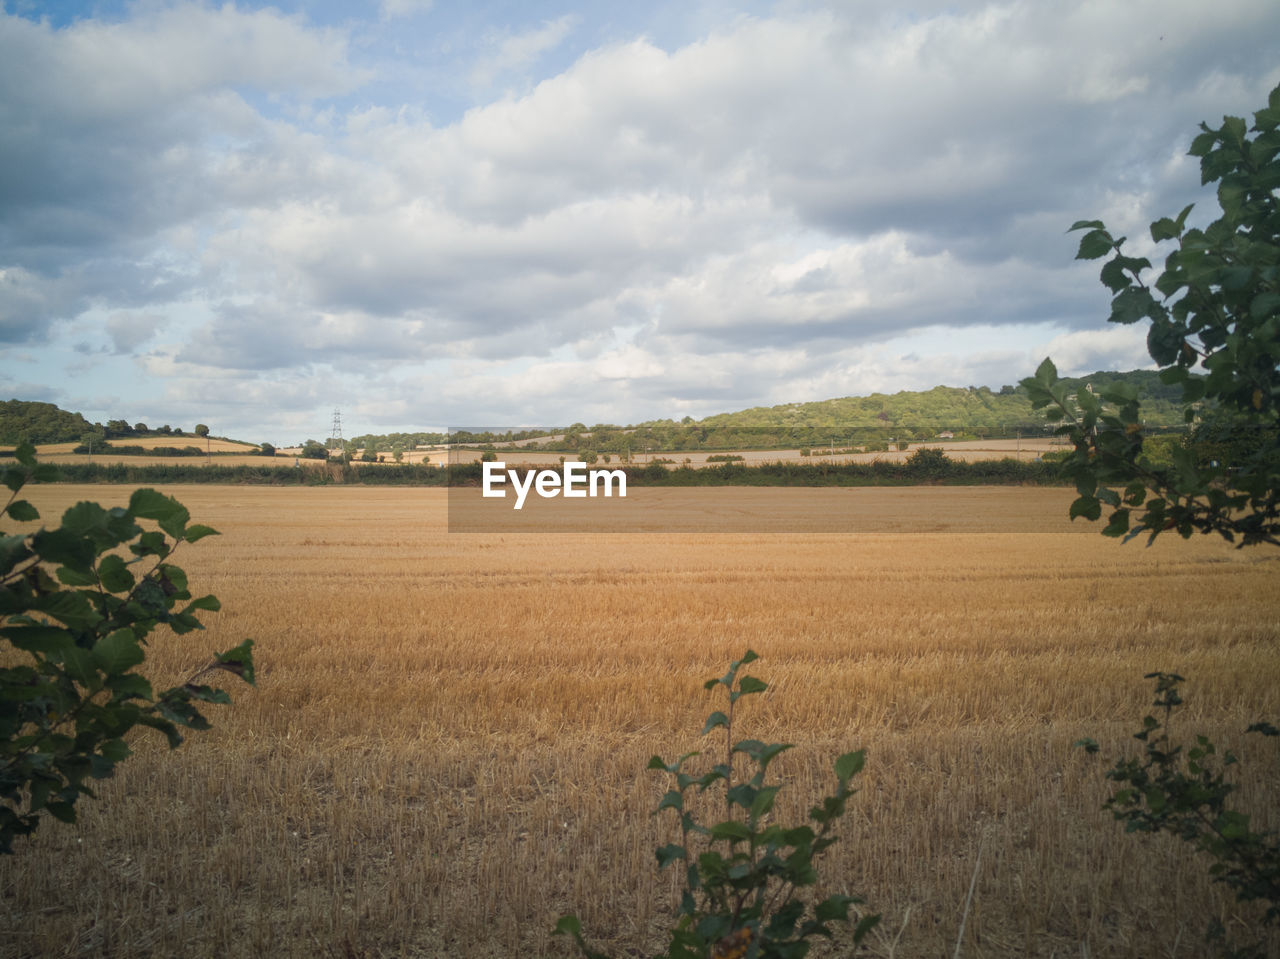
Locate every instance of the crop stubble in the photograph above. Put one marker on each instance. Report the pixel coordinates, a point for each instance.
(447, 745)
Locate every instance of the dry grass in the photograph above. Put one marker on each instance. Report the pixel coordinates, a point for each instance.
(446, 748)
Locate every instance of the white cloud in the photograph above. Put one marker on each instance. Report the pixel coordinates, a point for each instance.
(391, 9)
(775, 208)
(514, 53)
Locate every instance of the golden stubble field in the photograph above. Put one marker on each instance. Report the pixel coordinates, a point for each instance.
(447, 745)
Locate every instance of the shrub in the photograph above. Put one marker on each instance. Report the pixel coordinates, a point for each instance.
(77, 615)
(1184, 792)
(1217, 308)
(743, 876)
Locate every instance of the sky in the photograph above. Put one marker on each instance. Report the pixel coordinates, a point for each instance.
(431, 214)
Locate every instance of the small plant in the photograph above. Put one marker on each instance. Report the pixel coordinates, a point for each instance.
(75, 614)
(1184, 794)
(743, 876)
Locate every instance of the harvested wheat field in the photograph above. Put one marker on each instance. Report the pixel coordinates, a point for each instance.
(446, 748)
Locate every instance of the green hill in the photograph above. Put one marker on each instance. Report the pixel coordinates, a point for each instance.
(39, 423)
(968, 409)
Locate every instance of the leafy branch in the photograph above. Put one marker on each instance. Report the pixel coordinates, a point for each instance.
(743, 876)
(81, 613)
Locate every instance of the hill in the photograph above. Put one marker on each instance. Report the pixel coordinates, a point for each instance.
(40, 423)
(968, 409)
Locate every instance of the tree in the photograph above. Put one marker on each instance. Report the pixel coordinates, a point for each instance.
(314, 450)
(1216, 307)
(201, 430)
(76, 615)
(266, 449)
(140, 428)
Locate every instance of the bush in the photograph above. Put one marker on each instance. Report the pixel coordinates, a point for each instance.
(77, 615)
(1218, 308)
(929, 463)
(743, 876)
(1184, 793)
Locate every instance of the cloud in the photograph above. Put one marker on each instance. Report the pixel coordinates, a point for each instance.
(392, 9)
(123, 139)
(128, 331)
(785, 203)
(516, 52)
(1086, 351)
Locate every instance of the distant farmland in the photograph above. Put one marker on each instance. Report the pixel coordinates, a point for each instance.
(447, 745)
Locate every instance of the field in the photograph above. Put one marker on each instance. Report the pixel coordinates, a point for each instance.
(241, 454)
(446, 748)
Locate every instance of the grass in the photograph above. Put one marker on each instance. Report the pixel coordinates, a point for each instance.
(446, 748)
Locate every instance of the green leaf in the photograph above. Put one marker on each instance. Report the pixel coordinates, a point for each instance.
(115, 575)
(1094, 244)
(81, 668)
(674, 799)
(763, 802)
(45, 640)
(749, 684)
(568, 926)
(115, 750)
(118, 652)
(714, 720)
(13, 550)
(240, 661)
(64, 547)
(22, 511)
(670, 853)
(129, 686)
(833, 908)
(1264, 305)
(1233, 129)
(171, 515)
(71, 577)
(1046, 372)
(1086, 225)
(1114, 276)
(209, 603)
(850, 764)
(1202, 144)
(62, 811)
(70, 607)
(1165, 229)
(731, 830)
(864, 926)
(170, 731)
(1164, 342)
(196, 532)
(1086, 506)
(1131, 305)
(1119, 524)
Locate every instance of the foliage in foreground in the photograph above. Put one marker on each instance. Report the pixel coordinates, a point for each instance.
(1218, 307)
(1215, 305)
(1184, 792)
(77, 613)
(744, 876)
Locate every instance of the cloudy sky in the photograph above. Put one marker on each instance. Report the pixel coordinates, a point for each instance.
(447, 213)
